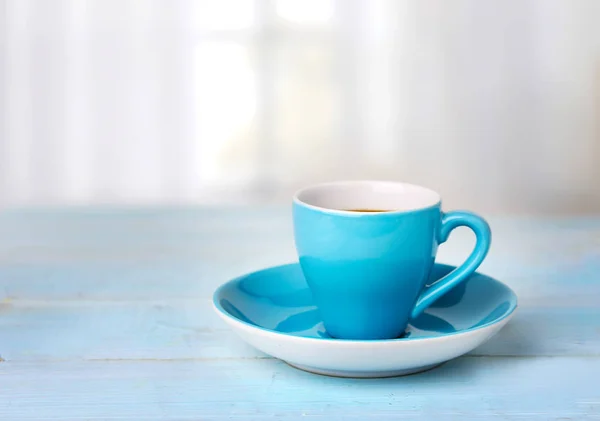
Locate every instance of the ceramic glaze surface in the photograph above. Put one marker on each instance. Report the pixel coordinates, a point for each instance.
(278, 299)
(368, 271)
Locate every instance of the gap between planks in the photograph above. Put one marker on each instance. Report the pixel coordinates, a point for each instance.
(266, 357)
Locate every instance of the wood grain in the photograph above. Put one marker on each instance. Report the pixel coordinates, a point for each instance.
(255, 389)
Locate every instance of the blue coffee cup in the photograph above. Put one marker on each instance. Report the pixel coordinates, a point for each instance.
(366, 249)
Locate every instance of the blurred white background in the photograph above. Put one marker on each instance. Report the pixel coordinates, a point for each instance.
(496, 104)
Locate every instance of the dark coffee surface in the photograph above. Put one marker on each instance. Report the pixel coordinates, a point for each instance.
(367, 210)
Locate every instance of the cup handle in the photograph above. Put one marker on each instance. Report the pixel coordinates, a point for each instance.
(483, 234)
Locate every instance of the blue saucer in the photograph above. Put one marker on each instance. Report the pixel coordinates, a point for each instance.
(273, 310)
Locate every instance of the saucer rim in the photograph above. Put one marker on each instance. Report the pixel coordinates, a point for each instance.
(226, 316)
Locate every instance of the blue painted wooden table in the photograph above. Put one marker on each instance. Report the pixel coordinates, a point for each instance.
(104, 314)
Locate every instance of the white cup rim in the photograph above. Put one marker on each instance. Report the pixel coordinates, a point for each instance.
(406, 197)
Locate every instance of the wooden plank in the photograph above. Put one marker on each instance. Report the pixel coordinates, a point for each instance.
(190, 330)
(472, 387)
(155, 280)
(149, 255)
(577, 285)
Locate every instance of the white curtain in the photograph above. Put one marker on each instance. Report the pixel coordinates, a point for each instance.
(493, 103)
